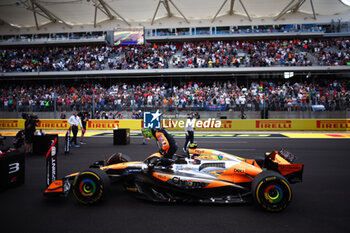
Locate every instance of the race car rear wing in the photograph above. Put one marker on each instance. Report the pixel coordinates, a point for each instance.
(282, 162)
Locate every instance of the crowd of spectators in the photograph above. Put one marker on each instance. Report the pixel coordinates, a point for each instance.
(328, 52)
(210, 54)
(241, 54)
(148, 56)
(44, 58)
(276, 95)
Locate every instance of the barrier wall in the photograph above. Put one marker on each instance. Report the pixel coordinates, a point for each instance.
(63, 124)
(204, 125)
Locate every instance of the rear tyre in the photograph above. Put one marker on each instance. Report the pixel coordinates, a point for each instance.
(90, 186)
(271, 191)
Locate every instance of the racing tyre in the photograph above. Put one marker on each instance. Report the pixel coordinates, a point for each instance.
(89, 186)
(271, 191)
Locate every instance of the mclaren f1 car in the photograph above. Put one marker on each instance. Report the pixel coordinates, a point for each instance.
(203, 175)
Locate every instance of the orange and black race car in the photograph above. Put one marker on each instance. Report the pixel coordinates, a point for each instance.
(204, 176)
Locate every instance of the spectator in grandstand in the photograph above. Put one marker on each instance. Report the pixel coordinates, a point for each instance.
(277, 96)
(210, 54)
(62, 116)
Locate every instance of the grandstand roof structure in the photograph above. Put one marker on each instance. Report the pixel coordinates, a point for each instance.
(37, 13)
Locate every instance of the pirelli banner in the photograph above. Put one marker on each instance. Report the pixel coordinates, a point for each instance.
(112, 124)
(261, 125)
(11, 124)
(63, 124)
(201, 125)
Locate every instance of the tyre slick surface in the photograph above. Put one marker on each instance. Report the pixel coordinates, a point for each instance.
(90, 186)
(271, 191)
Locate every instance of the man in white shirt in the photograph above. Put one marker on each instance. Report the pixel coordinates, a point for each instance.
(74, 121)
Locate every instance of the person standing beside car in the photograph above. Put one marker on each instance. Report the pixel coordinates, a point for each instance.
(30, 124)
(84, 120)
(74, 121)
(189, 131)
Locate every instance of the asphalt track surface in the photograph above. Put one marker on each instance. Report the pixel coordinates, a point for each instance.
(320, 203)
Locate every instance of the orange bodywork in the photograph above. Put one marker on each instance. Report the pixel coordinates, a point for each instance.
(55, 187)
(162, 176)
(119, 166)
(217, 183)
(286, 169)
(240, 173)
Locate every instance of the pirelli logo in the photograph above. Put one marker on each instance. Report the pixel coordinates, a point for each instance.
(274, 124)
(333, 124)
(53, 124)
(8, 124)
(102, 124)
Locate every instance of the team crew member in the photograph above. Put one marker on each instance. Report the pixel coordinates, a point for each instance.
(85, 119)
(166, 143)
(189, 131)
(74, 121)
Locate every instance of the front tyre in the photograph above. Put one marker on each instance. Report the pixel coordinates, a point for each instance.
(89, 186)
(271, 191)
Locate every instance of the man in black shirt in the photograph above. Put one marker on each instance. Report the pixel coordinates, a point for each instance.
(84, 119)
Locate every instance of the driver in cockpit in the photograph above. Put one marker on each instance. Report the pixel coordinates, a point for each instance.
(165, 142)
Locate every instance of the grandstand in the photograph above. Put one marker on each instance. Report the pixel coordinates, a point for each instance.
(221, 58)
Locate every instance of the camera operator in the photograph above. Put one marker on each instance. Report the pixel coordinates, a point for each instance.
(31, 121)
(2, 139)
(84, 116)
(2, 150)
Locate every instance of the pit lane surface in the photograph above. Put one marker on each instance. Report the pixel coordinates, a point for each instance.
(320, 203)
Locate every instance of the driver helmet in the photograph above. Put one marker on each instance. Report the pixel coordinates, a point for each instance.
(193, 145)
(147, 133)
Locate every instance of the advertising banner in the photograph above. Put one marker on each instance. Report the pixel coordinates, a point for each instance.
(53, 124)
(210, 124)
(261, 125)
(112, 124)
(11, 124)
